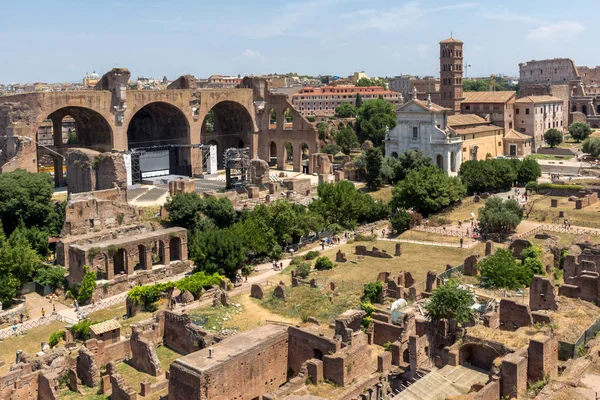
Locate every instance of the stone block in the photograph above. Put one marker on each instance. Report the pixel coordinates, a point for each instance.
(398, 249)
(470, 265)
(279, 292)
(314, 368)
(340, 257)
(554, 203)
(253, 192)
(489, 248)
(384, 361)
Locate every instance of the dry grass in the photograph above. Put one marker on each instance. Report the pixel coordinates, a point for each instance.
(590, 213)
(513, 340)
(464, 213)
(384, 193)
(29, 343)
(416, 259)
(573, 317)
(251, 316)
(430, 237)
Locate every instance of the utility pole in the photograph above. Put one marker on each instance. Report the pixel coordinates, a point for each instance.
(466, 70)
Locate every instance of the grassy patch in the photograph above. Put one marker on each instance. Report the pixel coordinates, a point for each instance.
(302, 302)
(117, 312)
(87, 394)
(416, 259)
(550, 157)
(589, 214)
(29, 343)
(430, 237)
(384, 193)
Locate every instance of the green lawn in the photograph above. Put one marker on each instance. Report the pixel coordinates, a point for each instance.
(550, 157)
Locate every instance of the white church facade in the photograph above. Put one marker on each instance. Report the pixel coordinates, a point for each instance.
(423, 125)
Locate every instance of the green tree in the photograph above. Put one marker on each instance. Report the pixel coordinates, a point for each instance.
(371, 82)
(218, 251)
(553, 137)
(427, 190)
(400, 221)
(529, 171)
(374, 161)
(322, 129)
(346, 138)
(88, 286)
(410, 160)
(500, 216)
(389, 168)
(489, 175)
(449, 301)
(374, 116)
(345, 110)
(479, 85)
(359, 101)
(311, 118)
(257, 236)
(591, 146)
(26, 196)
(189, 209)
(501, 270)
(580, 131)
(331, 148)
(51, 276)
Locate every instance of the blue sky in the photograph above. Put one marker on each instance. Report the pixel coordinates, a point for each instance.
(61, 40)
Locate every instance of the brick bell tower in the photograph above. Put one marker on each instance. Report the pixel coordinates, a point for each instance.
(451, 74)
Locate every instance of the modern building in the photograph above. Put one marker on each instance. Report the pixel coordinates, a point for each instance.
(534, 115)
(497, 107)
(357, 76)
(423, 125)
(451, 74)
(325, 99)
(219, 82)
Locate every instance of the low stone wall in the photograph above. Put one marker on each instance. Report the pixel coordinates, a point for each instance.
(384, 332)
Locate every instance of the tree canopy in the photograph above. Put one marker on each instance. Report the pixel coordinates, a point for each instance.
(189, 210)
(500, 216)
(591, 146)
(502, 270)
(218, 251)
(580, 131)
(345, 110)
(374, 116)
(496, 174)
(374, 161)
(553, 137)
(449, 301)
(27, 196)
(346, 138)
(427, 190)
(372, 82)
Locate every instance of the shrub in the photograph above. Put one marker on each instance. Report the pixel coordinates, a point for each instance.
(400, 221)
(323, 263)
(367, 307)
(51, 276)
(297, 260)
(303, 270)
(501, 270)
(388, 346)
(371, 291)
(55, 337)
(554, 186)
(361, 237)
(81, 330)
(311, 255)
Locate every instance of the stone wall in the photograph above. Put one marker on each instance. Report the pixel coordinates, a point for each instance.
(514, 375)
(542, 294)
(514, 315)
(143, 354)
(384, 332)
(243, 367)
(542, 358)
(183, 336)
(304, 345)
(348, 363)
(120, 389)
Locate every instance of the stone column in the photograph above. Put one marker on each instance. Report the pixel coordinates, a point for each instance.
(129, 263)
(110, 268)
(148, 257)
(57, 129)
(184, 251)
(298, 159)
(167, 254)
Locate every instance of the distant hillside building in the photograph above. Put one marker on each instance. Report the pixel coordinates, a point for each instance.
(497, 107)
(426, 86)
(481, 139)
(325, 99)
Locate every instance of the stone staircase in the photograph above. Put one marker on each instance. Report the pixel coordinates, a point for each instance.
(443, 383)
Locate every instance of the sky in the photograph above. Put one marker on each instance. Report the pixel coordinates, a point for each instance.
(61, 40)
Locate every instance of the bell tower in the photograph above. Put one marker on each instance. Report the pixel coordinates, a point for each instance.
(451, 74)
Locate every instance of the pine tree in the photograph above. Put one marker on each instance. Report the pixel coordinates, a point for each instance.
(359, 100)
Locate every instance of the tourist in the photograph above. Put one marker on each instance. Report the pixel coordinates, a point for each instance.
(461, 242)
(84, 315)
(76, 303)
(15, 329)
(54, 308)
(383, 233)
(43, 313)
(22, 316)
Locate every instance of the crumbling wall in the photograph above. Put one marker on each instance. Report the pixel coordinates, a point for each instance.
(384, 332)
(87, 370)
(304, 345)
(349, 363)
(349, 322)
(514, 315)
(183, 336)
(514, 375)
(542, 294)
(120, 389)
(542, 358)
(143, 354)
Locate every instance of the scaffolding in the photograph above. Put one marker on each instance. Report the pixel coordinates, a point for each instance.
(236, 162)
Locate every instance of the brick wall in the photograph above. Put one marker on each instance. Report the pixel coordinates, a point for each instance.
(302, 347)
(384, 332)
(542, 358)
(514, 375)
(479, 355)
(514, 315)
(348, 363)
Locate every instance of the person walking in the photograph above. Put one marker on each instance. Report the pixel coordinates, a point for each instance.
(76, 303)
(461, 242)
(43, 313)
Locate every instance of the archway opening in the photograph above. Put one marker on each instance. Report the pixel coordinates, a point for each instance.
(158, 253)
(453, 162)
(272, 154)
(159, 128)
(141, 264)
(175, 248)
(288, 156)
(230, 126)
(439, 161)
(272, 119)
(120, 262)
(574, 108)
(288, 119)
(395, 155)
(598, 109)
(305, 158)
(584, 109)
(318, 354)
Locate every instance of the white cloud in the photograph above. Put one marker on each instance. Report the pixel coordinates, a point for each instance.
(507, 15)
(555, 31)
(254, 55)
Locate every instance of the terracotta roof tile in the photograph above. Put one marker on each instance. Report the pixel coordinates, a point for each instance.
(539, 99)
(466, 119)
(488, 97)
(451, 40)
(105, 326)
(514, 135)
